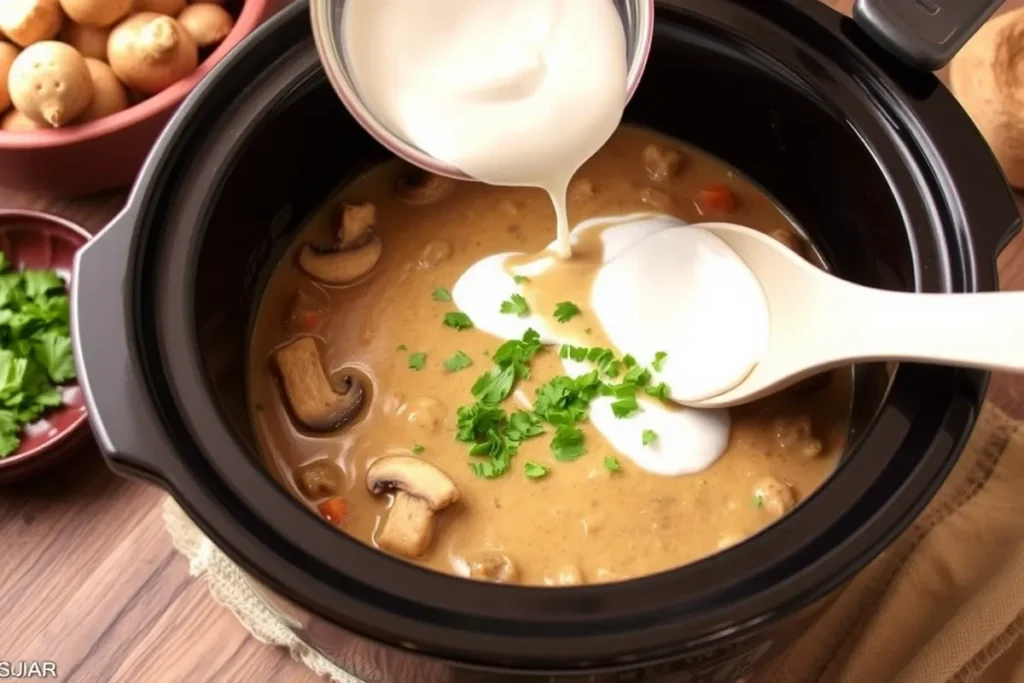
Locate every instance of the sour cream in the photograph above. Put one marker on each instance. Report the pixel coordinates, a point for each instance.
(512, 93)
(660, 286)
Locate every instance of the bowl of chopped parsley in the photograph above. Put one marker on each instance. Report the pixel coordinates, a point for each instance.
(42, 411)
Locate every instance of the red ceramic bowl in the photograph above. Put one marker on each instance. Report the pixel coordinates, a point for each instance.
(30, 239)
(107, 153)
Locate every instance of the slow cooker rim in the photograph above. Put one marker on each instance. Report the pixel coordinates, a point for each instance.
(152, 171)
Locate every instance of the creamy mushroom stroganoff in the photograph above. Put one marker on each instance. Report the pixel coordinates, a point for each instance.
(428, 377)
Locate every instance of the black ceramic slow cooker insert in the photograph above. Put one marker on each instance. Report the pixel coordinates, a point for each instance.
(874, 160)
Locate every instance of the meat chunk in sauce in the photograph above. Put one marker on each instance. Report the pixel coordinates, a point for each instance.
(660, 163)
(774, 496)
(491, 565)
(796, 435)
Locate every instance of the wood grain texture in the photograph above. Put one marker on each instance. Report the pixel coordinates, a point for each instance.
(89, 579)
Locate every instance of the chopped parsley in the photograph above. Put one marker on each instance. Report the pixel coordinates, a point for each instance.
(516, 305)
(441, 294)
(659, 361)
(520, 279)
(35, 349)
(611, 463)
(648, 437)
(417, 361)
(401, 347)
(566, 311)
(534, 470)
(758, 501)
(459, 361)
(625, 403)
(495, 385)
(418, 448)
(660, 391)
(568, 444)
(457, 320)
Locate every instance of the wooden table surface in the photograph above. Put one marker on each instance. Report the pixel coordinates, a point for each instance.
(89, 579)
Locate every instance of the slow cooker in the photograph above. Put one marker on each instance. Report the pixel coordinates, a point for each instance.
(875, 160)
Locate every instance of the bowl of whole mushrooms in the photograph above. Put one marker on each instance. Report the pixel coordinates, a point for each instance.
(87, 85)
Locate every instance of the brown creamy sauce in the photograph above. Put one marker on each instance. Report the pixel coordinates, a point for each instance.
(581, 523)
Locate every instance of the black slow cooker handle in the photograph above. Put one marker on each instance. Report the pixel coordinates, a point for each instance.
(923, 33)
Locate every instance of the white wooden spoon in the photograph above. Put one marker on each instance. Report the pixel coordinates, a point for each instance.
(819, 322)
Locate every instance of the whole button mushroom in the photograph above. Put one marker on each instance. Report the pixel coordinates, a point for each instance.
(8, 53)
(150, 52)
(207, 23)
(421, 490)
(89, 40)
(50, 83)
(168, 7)
(311, 397)
(353, 255)
(98, 13)
(30, 21)
(108, 95)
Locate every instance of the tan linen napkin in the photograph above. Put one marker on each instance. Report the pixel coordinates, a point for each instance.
(944, 603)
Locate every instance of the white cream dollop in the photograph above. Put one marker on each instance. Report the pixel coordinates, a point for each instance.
(662, 286)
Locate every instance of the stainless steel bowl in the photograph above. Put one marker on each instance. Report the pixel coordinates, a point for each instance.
(637, 21)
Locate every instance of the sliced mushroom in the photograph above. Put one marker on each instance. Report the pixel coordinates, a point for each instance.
(421, 490)
(416, 186)
(565, 575)
(356, 221)
(774, 496)
(796, 435)
(354, 254)
(661, 163)
(319, 479)
(491, 565)
(312, 398)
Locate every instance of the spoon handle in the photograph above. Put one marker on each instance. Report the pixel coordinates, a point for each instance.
(983, 330)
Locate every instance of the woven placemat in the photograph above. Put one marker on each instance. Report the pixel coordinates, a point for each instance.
(944, 603)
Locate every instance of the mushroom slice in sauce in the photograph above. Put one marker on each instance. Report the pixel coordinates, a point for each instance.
(416, 186)
(312, 398)
(319, 479)
(421, 490)
(354, 254)
(660, 163)
(491, 565)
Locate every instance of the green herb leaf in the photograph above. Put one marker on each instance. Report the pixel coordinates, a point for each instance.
(659, 361)
(659, 391)
(441, 294)
(417, 361)
(758, 501)
(495, 385)
(35, 349)
(534, 470)
(457, 320)
(520, 279)
(418, 448)
(625, 407)
(516, 305)
(611, 463)
(648, 437)
(458, 361)
(565, 311)
(568, 444)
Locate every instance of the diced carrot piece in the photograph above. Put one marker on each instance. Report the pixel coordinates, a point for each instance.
(716, 199)
(333, 510)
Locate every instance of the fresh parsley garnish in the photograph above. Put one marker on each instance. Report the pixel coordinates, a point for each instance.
(457, 320)
(566, 311)
(417, 361)
(458, 361)
(534, 470)
(758, 501)
(611, 463)
(516, 305)
(659, 361)
(441, 294)
(495, 385)
(660, 391)
(520, 279)
(568, 444)
(418, 448)
(35, 349)
(648, 437)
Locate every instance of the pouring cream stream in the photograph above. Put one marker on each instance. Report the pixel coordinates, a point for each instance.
(523, 93)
